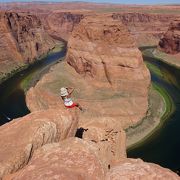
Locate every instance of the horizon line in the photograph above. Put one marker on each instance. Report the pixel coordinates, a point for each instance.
(59, 1)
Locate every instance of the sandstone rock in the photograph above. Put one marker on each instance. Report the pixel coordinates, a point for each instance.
(21, 137)
(109, 137)
(146, 28)
(22, 40)
(60, 24)
(133, 169)
(170, 43)
(70, 159)
(103, 53)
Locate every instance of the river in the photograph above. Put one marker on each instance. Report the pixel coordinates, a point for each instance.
(163, 146)
(12, 91)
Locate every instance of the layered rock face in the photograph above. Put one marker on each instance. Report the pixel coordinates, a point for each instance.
(22, 40)
(146, 28)
(61, 24)
(102, 52)
(170, 43)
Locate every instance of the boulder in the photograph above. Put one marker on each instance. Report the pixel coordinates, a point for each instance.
(21, 137)
(133, 169)
(71, 159)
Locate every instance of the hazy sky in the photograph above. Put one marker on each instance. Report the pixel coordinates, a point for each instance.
(107, 1)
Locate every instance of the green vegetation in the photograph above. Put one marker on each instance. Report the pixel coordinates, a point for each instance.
(154, 69)
(154, 112)
(26, 81)
(169, 105)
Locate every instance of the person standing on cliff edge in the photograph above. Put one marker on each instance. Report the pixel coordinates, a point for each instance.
(66, 97)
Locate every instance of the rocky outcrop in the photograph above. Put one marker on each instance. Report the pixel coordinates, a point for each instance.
(103, 53)
(132, 169)
(22, 40)
(111, 81)
(109, 137)
(78, 159)
(146, 28)
(21, 137)
(170, 43)
(71, 159)
(60, 24)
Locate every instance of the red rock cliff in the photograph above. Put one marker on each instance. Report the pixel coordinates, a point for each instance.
(170, 43)
(146, 28)
(103, 52)
(60, 24)
(22, 40)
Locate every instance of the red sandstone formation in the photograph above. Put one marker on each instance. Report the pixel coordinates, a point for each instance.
(21, 137)
(60, 24)
(72, 159)
(112, 82)
(79, 160)
(146, 28)
(103, 53)
(133, 169)
(111, 79)
(22, 40)
(170, 43)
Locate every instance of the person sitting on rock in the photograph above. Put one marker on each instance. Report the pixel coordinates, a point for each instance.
(66, 97)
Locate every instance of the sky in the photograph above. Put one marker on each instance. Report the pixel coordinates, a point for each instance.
(107, 1)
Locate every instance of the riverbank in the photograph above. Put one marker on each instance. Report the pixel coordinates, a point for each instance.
(173, 60)
(160, 108)
(13, 90)
(34, 77)
(18, 67)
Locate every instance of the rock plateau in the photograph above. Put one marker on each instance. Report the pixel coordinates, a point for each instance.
(146, 28)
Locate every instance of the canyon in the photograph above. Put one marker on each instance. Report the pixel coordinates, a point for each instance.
(111, 82)
(22, 41)
(147, 29)
(146, 23)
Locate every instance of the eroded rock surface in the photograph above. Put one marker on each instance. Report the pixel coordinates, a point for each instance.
(21, 137)
(60, 24)
(147, 28)
(170, 43)
(133, 169)
(22, 40)
(78, 159)
(110, 81)
(70, 159)
(109, 137)
(103, 53)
